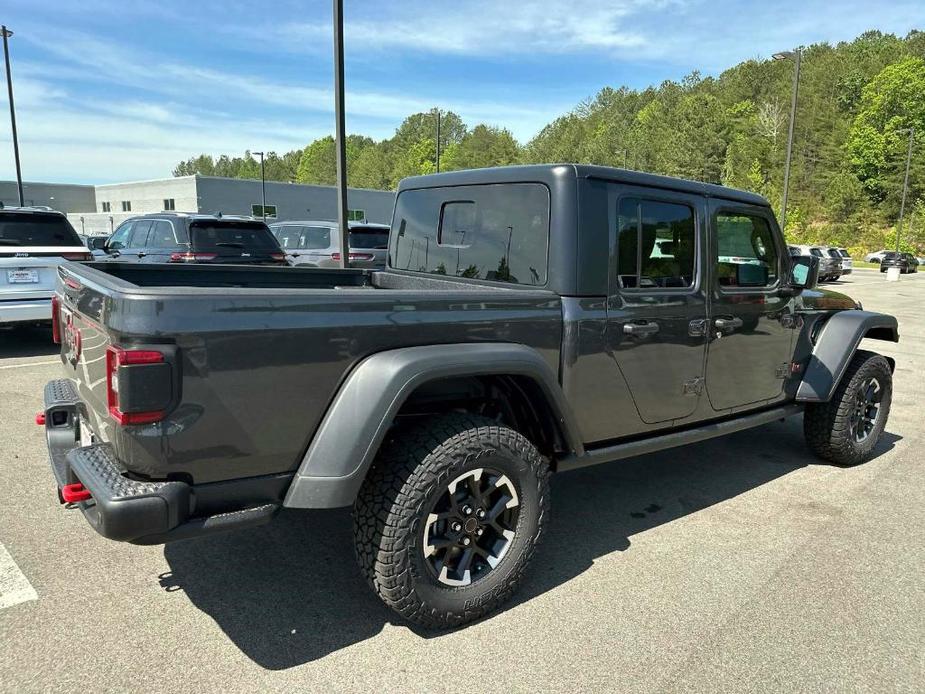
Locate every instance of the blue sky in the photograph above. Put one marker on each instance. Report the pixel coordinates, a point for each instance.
(121, 90)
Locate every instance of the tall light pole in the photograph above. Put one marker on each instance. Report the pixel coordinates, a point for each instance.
(902, 205)
(263, 187)
(340, 133)
(437, 116)
(787, 55)
(9, 87)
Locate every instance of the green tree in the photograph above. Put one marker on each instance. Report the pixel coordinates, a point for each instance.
(891, 103)
(481, 147)
(318, 163)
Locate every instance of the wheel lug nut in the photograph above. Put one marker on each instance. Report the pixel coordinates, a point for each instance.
(466, 541)
(467, 509)
(480, 513)
(479, 532)
(456, 526)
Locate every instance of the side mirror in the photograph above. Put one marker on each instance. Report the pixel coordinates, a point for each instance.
(97, 243)
(804, 271)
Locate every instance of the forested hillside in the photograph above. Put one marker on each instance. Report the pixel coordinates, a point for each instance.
(856, 100)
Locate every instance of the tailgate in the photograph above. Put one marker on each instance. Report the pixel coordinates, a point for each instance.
(84, 340)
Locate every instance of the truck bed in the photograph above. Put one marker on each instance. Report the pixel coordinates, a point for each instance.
(263, 350)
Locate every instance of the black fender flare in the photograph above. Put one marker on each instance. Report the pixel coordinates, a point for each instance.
(836, 344)
(355, 424)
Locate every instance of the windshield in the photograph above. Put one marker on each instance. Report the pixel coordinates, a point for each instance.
(365, 237)
(232, 237)
(891, 254)
(36, 230)
(816, 252)
(834, 253)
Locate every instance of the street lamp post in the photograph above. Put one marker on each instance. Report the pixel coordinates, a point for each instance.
(263, 187)
(340, 133)
(9, 86)
(902, 204)
(437, 114)
(797, 56)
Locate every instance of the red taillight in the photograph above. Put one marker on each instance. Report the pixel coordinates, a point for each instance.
(190, 257)
(116, 357)
(72, 493)
(77, 256)
(354, 256)
(56, 319)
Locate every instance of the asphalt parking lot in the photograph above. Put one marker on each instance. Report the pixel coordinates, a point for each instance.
(739, 563)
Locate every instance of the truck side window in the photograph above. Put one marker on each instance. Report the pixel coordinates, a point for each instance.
(746, 254)
(497, 232)
(656, 245)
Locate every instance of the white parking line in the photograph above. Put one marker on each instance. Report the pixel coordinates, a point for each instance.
(14, 586)
(31, 363)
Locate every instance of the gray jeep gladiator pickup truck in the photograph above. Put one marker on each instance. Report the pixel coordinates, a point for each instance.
(530, 320)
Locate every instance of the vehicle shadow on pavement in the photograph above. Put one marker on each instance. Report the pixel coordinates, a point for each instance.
(27, 341)
(290, 592)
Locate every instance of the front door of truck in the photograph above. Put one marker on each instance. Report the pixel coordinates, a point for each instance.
(656, 315)
(752, 321)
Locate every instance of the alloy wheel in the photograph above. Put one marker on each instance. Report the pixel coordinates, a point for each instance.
(471, 527)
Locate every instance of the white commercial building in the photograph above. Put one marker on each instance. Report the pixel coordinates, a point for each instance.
(95, 210)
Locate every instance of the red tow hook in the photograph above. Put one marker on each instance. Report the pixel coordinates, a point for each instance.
(40, 419)
(72, 493)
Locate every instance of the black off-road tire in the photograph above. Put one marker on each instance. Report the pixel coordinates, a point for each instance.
(827, 425)
(411, 472)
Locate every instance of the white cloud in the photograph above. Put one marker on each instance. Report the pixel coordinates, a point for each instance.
(487, 27)
(127, 116)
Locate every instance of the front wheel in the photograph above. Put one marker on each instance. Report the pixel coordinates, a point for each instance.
(846, 429)
(449, 517)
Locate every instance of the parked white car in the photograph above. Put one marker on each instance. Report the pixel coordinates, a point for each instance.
(876, 256)
(34, 241)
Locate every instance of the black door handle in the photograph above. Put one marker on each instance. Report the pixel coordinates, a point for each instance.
(728, 323)
(142, 255)
(640, 328)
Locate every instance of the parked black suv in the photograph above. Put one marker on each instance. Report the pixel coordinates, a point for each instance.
(906, 262)
(177, 237)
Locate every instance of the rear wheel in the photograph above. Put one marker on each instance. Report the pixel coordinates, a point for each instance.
(846, 429)
(449, 517)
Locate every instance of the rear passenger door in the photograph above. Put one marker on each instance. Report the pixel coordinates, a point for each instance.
(656, 309)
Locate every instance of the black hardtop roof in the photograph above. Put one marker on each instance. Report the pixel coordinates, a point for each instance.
(548, 172)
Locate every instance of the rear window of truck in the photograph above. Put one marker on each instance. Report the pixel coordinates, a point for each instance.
(497, 232)
(36, 230)
(222, 236)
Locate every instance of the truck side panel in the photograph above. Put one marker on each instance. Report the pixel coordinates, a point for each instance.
(260, 367)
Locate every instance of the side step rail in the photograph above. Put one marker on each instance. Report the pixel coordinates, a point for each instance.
(630, 449)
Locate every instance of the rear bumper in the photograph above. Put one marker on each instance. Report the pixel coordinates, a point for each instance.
(25, 310)
(131, 510)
